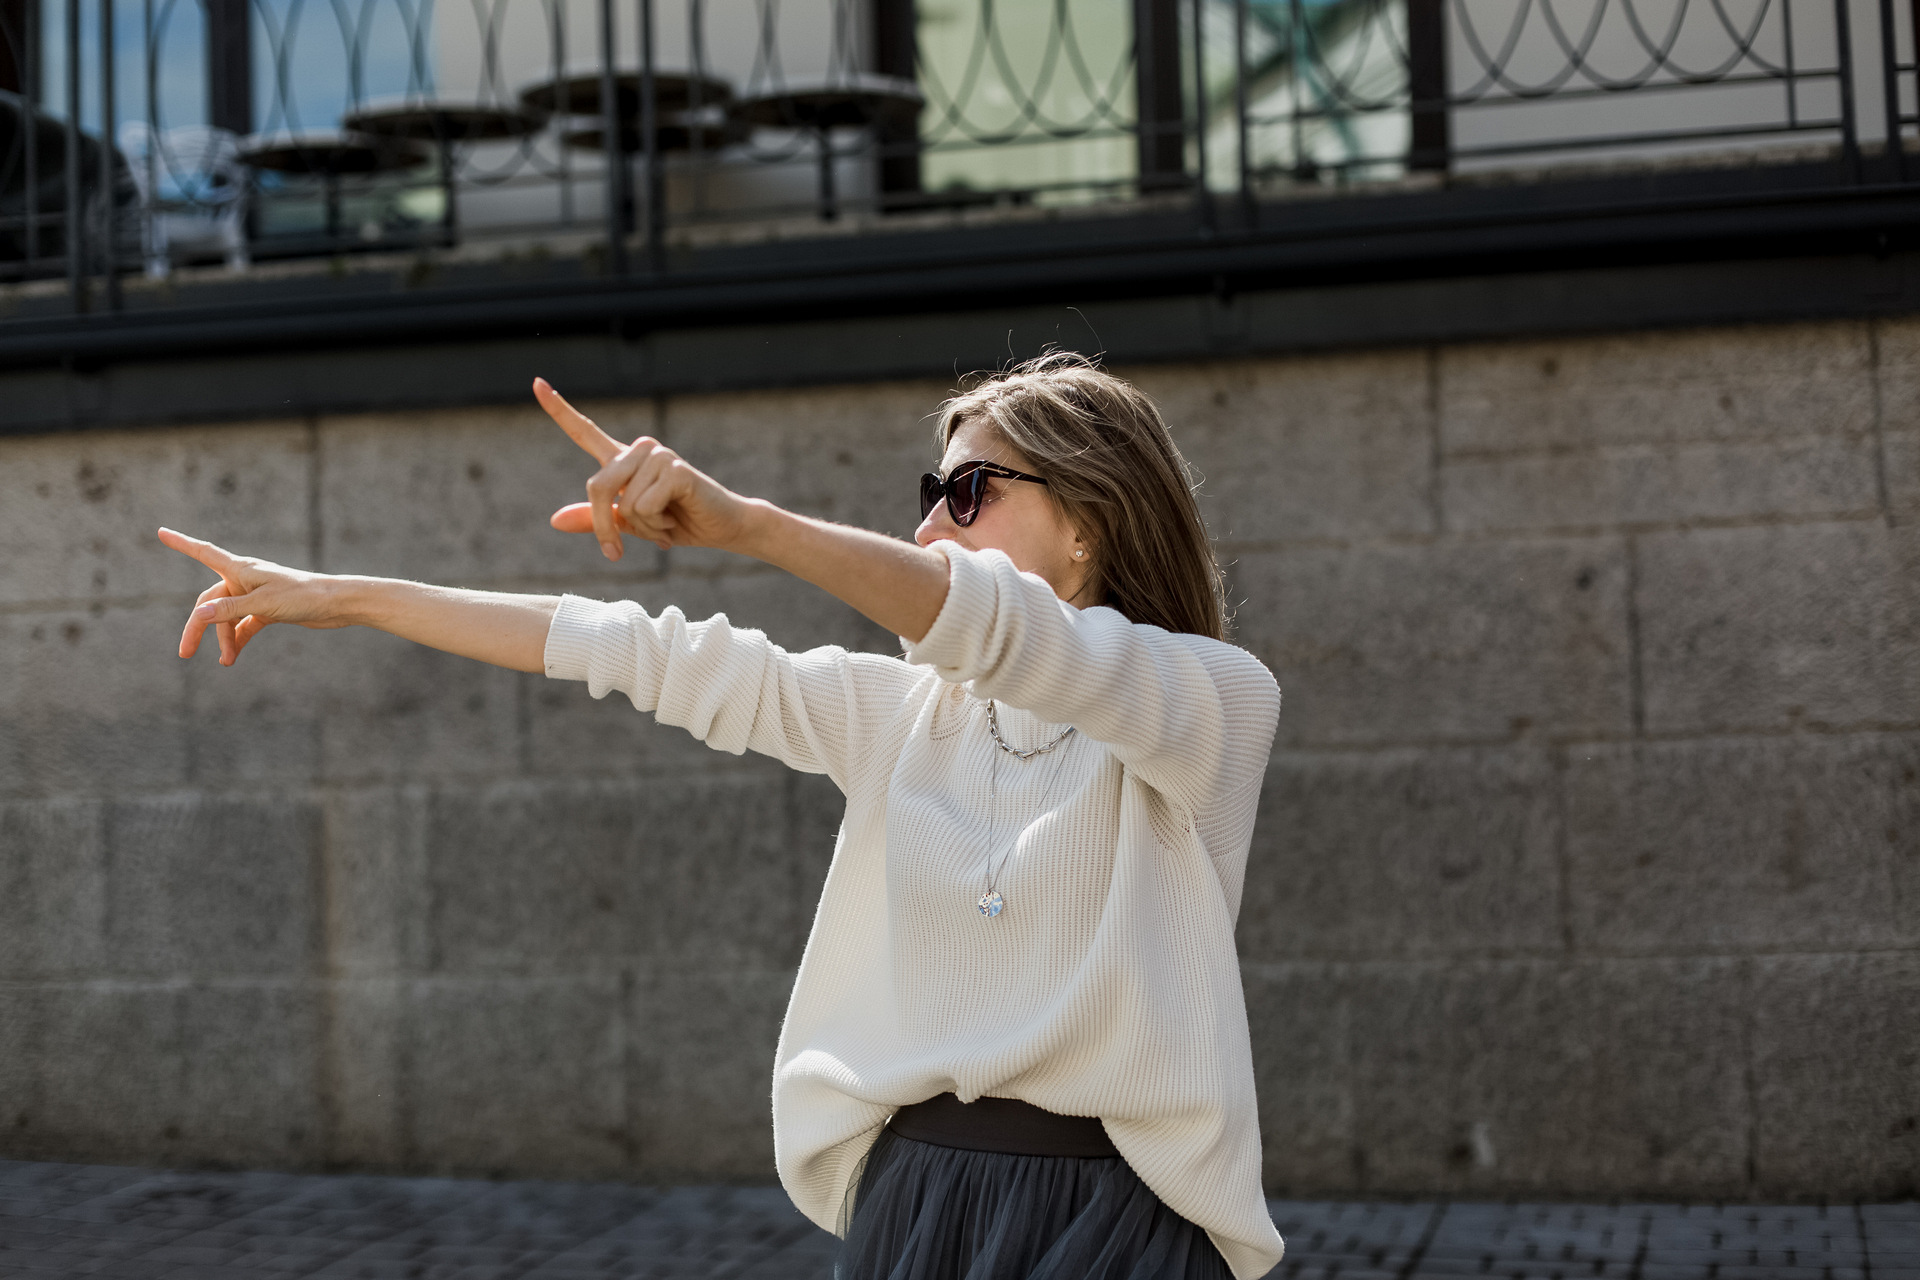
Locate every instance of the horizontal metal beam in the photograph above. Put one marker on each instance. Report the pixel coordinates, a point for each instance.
(757, 352)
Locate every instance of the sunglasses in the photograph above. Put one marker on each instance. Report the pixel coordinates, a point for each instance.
(965, 488)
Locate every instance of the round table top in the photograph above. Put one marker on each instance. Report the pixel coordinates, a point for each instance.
(443, 121)
(862, 100)
(579, 93)
(329, 152)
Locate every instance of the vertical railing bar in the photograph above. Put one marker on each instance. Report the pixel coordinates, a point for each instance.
(1793, 76)
(650, 139)
(74, 234)
(1849, 126)
(563, 105)
(837, 68)
(1143, 93)
(1913, 34)
(1248, 212)
(1430, 132)
(357, 78)
(148, 237)
(1890, 86)
(1159, 84)
(30, 90)
(616, 162)
(696, 106)
(1200, 111)
(109, 246)
(1294, 45)
(419, 59)
(449, 205)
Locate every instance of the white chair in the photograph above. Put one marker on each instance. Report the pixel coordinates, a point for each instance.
(193, 194)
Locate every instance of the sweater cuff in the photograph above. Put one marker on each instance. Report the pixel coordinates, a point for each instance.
(570, 636)
(956, 635)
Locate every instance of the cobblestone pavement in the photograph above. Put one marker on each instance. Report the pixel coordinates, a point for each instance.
(1569, 1241)
(80, 1220)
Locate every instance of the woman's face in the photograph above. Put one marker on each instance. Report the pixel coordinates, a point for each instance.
(1016, 516)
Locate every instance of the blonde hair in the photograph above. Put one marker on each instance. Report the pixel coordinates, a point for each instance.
(1114, 473)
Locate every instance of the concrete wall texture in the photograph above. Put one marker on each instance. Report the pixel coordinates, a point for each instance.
(1589, 862)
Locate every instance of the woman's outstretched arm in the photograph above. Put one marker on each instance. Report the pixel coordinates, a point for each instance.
(643, 488)
(506, 630)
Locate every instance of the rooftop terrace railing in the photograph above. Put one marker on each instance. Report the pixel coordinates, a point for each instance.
(141, 136)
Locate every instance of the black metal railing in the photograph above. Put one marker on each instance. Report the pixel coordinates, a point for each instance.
(137, 136)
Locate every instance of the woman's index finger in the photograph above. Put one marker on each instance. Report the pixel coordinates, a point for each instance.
(579, 427)
(215, 558)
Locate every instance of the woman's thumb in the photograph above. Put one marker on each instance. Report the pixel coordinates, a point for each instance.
(576, 517)
(225, 609)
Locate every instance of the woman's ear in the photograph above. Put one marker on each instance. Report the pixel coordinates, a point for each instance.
(1080, 552)
(1081, 556)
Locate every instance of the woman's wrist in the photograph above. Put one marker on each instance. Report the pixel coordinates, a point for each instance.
(358, 601)
(760, 530)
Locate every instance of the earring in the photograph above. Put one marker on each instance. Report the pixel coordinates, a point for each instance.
(1079, 554)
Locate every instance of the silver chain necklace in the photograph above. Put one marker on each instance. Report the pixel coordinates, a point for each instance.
(991, 903)
(993, 727)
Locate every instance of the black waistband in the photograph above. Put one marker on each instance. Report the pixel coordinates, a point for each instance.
(1004, 1125)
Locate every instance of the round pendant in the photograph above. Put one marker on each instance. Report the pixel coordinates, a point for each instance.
(990, 903)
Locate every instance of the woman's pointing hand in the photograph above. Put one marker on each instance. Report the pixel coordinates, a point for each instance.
(251, 595)
(644, 488)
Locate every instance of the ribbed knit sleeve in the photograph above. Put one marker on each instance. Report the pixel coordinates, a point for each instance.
(1192, 716)
(818, 711)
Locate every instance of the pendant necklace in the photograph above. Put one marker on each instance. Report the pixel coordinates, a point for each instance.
(991, 903)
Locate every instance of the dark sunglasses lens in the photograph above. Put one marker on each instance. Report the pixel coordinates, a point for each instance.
(967, 492)
(930, 494)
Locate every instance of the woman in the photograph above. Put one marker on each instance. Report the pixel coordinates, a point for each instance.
(1017, 1044)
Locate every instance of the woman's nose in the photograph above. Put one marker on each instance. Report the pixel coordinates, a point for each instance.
(936, 526)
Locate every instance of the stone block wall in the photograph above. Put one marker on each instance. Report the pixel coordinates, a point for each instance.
(1588, 865)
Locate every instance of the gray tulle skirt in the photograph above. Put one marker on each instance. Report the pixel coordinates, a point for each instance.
(925, 1212)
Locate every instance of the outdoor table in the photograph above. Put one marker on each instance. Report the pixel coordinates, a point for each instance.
(329, 154)
(680, 133)
(689, 112)
(442, 124)
(862, 101)
(579, 94)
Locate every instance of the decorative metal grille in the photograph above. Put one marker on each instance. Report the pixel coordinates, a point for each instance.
(149, 134)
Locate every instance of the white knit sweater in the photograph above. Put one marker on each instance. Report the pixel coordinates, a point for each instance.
(1108, 986)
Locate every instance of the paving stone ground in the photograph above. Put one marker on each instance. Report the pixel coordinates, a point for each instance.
(143, 1224)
